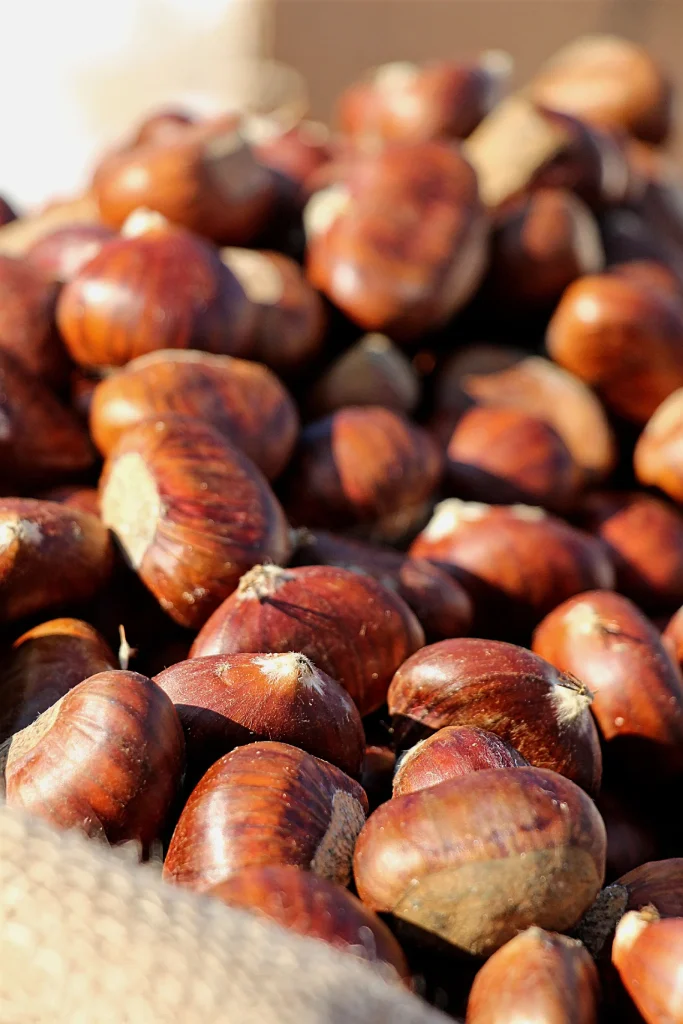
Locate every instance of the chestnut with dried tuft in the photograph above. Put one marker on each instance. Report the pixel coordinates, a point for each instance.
(451, 752)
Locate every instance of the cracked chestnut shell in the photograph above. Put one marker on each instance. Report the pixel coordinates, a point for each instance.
(542, 713)
(474, 860)
(452, 751)
(27, 321)
(355, 630)
(657, 459)
(191, 513)
(266, 804)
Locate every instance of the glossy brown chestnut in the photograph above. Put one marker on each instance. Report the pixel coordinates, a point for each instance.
(364, 466)
(657, 459)
(503, 455)
(157, 287)
(658, 883)
(290, 320)
(27, 321)
(227, 700)
(267, 804)
(372, 372)
(647, 953)
(204, 178)
(652, 272)
(623, 338)
(605, 640)
(644, 537)
(608, 81)
(474, 860)
(542, 713)
(243, 401)
(106, 758)
(310, 905)
(347, 624)
(440, 603)
(62, 253)
(49, 555)
(191, 513)
(84, 498)
(516, 562)
(537, 976)
(451, 752)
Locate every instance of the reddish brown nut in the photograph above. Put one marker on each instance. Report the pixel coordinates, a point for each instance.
(107, 758)
(309, 905)
(651, 272)
(41, 441)
(516, 562)
(657, 458)
(623, 338)
(404, 102)
(49, 555)
(658, 883)
(440, 603)
(295, 153)
(537, 976)
(451, 752)
(672, 637)
(43, 665)
(403, 245)
(503, 455)
(376, 774)
(267, 804)
(163, 126)
(647, 953)
(608, 81)
(243, 401)
(157, 287)
(27, 321)
(227, 700)
(62, 253)
(204, 178)
(542, 713)
(191, 513)
(363, 466)
(604, 640)
(644, 537)
(372, 372)
(84, 498)
(347, 624)
(475, 859)
(290, 320)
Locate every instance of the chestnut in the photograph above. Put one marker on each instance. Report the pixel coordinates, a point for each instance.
(243, 401)
(623, 338)
(647, 953)
(658, 883)
(644, 537)
(156, 287)
(536, 976)
(62, 253)
(310, 905)
(606, 641)
(191, 513)
(652, 272)
(451, 752)
(107, 758)
(439, 601)
(290, 318)
(27, 322)
(266, 804)
(204, 178)
(227, 700)
(50, 554)
(516, 562)
(672, 637)
(505, 456)
(374, 371)
(84, 498)
(376, 774)
(656, 458)
(544, 714)
(607, 81)
(476, 859)
(163, 125)
(363, 466)
(295, 153)
(349, 626)
(18, 236)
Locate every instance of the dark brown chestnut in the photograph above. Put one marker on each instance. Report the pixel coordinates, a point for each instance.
(647, 952)
(62, 253)
(656, 459)
(266, 804)
(374, 371)
(295, 153)
(451, 752)
(376, 774)
(27, 321)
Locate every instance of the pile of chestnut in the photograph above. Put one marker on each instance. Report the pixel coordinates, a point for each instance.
(364, 447)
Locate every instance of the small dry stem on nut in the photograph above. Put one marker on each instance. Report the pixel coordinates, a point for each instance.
(600, 920)
(262, 582)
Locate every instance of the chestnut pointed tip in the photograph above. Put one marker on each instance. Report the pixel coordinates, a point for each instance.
(261, 581)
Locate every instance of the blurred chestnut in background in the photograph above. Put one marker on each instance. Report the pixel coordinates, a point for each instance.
(647, 953)
(347, 624)
(156, 287)
(243, 401)
(27, 321)
(7, 213)
(657, 459)
(372, 372)
(672, 637)
(309, 905)
(542, 713)
(266, 804)
(191, 512)
(163, 125)
(475, 859)
(451, 752)
(363, 466)
(62, 253)
(84, 498)
(294, 153)
(635, 247)
(653, 273)
(227, 700)
(623, 338)
(49, 555)
(516, 562)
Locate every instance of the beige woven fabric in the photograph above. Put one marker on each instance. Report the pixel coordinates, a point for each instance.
(87, 937)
